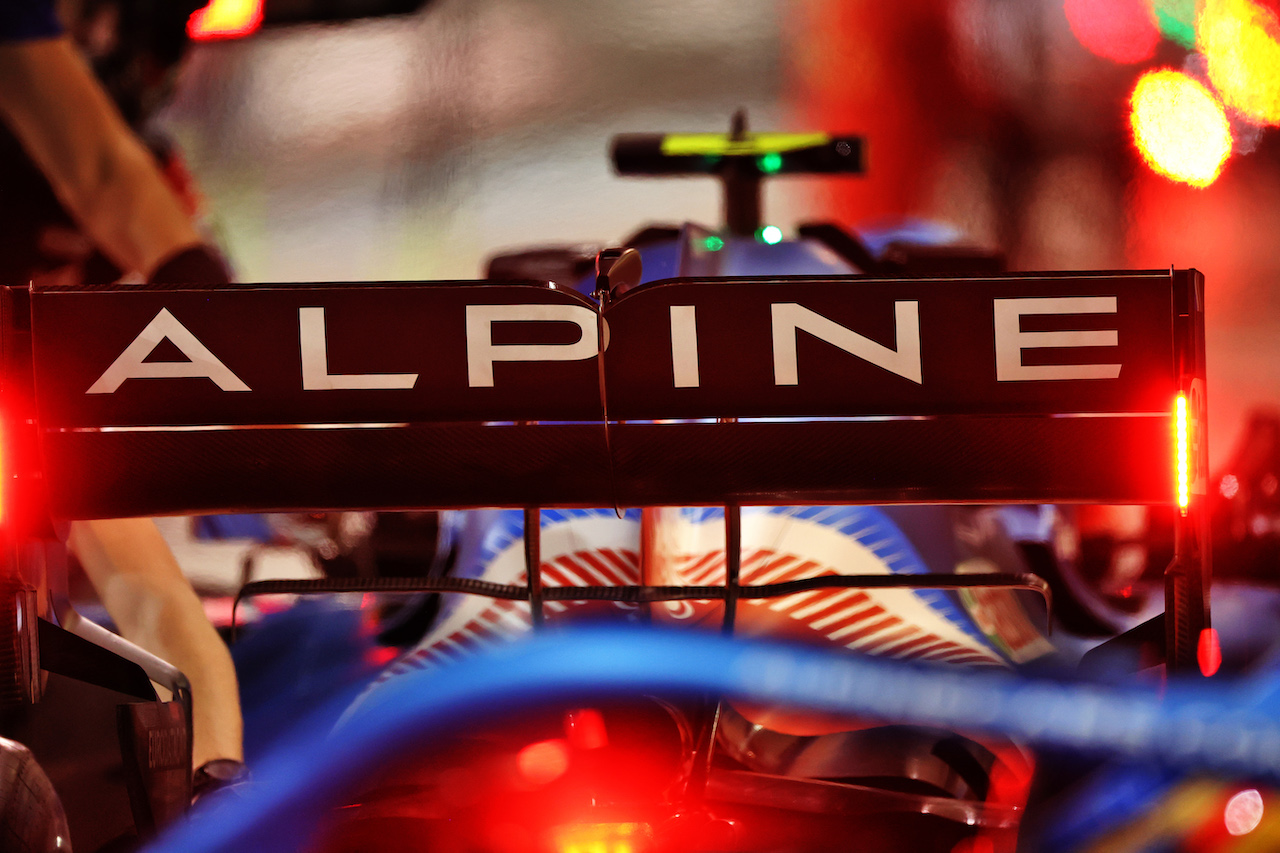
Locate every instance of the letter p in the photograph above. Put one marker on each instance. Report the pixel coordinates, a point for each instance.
(482, 352)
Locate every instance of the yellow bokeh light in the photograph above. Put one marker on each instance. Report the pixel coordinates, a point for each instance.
(225, 19)
(1240, 40)
(1179, 127)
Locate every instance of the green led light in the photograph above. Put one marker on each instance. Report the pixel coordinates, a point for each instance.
(770, 234)
(713, 243)
(770, 163)
(1177, 20)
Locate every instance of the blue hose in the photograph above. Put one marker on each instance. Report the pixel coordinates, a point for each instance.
(1195, 725)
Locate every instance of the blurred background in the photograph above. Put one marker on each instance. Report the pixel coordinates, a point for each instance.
(1070, 135)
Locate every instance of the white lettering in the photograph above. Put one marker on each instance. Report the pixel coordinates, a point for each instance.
(482, 352)
(1011, 340)
(684, 346)
(315, 361)
(789, 318)
(200, 361)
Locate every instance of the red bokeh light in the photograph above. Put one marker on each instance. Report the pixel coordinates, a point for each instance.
(1209, 652)
(1119, 30)
(585, 729)
(380, 656)
(543, 762)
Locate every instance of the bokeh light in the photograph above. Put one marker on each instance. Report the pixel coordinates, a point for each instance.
(225, 19)
(1240, 40)
(1177, 20)
(1243, 812)
(1179, 127)
(543, 762)
(1119, 30)
(1229, 487)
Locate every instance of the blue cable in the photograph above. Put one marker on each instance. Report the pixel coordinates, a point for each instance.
(1194, 725)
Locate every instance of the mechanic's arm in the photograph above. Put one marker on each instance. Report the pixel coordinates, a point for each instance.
(98, 167)
(155, 607)
(111, 185)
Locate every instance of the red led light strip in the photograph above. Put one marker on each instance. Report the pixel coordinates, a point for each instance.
(1182, 453)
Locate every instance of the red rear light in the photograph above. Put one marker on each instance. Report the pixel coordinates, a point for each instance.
(4, 471)
(603, 838)
(225, 19)
(1182, 452)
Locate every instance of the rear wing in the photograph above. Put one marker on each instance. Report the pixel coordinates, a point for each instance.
(1055, 387)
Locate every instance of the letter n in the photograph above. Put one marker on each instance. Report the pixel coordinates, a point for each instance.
(790, 318)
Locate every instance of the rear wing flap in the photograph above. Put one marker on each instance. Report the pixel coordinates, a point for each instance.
(1020, 388)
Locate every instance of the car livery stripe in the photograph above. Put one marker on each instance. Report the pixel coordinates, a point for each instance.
(841, 607)
(873, 628)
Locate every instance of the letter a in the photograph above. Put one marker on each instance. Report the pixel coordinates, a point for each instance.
(200, 362)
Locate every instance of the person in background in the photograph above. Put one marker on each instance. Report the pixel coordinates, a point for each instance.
(111, 189)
